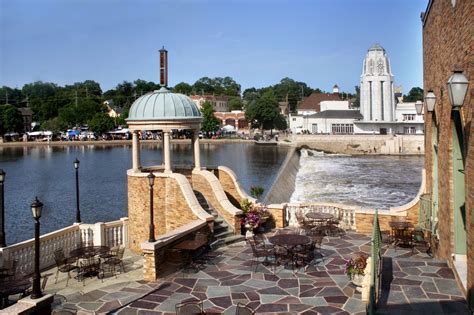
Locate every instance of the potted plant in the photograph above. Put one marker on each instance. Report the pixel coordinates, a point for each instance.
(256, 191)
(355, 269)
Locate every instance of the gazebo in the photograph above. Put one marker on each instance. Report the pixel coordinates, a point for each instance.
(165, 111)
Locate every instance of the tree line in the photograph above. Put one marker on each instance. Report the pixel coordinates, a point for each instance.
(59, 108)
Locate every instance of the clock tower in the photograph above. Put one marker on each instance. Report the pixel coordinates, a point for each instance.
(377, 102)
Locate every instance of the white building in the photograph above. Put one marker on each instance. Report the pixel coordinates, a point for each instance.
(379, 112)
(220, 103)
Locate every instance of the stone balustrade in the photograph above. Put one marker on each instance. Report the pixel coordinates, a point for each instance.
(348, 213)
(113, 233)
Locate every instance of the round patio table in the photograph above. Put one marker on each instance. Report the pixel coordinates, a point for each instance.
(289, 240)
(89, 251)
(319, 216)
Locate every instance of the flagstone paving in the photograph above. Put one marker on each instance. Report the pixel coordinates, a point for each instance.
(413, 283)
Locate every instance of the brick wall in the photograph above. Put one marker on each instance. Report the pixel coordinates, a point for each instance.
(364, 221)
(170, 208)
(229, 186)
(448, 43)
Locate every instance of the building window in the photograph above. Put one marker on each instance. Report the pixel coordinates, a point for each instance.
(338, 129)
(294, 119)
(407, 117)
(314, 128)
(409, 130)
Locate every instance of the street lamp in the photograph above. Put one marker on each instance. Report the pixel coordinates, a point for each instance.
(457, 88)
(430, 100)
(151, 182)
(78, 211)
(36, 208)
(2, 210)
(418, 107)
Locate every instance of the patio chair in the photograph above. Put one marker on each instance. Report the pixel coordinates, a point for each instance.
(90, 267)
(9, 270)
(109, 254)
(243, 309)
(116, 260)
(259, 252)
(59, 254)
(190, 307)
(63, 265)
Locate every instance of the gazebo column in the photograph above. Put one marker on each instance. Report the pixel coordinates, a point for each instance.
(196, 150)
(167, 151)
(135, 152)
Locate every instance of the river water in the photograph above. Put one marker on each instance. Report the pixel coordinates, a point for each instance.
(48, 172)
(368, 181)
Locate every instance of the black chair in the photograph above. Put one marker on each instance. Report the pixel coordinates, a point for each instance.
(190, 307)
(115, 261)
(243, 309)
(63, 265)
(259, 252)
(90, 267)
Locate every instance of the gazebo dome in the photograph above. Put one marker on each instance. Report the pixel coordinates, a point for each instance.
(163, 105)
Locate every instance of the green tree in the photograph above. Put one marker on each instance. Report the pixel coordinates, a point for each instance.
(415, 94)
(183, 88)
(101, 123)
(357, 96)
(235, 103)
(12, 120)
(54, 124)
(264, 113)
(209, 122)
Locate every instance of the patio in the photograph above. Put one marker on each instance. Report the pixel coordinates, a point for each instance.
(413, 283)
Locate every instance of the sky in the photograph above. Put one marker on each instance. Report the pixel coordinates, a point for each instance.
(259, 42)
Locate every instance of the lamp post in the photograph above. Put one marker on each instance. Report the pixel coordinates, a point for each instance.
(419, 107)
(457, 88)
(151, 182)
(430, 100)
(78, 211)
(2, 210)
(36, 208)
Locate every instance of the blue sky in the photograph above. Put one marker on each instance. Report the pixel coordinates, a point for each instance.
(320, 42)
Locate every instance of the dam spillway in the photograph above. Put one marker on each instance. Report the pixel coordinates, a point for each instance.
(366, 181)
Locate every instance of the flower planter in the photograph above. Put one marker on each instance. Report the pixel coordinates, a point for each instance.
(357, 280)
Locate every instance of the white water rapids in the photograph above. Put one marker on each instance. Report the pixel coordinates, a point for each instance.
(367, 181)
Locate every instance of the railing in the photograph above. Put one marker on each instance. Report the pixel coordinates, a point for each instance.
(375, 267)
(424, 218)
(348, 221)
(113, 233)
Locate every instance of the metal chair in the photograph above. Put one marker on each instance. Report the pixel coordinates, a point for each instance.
(260, 252)
(116, 260)
(63, 265)
(90, 267)
(243, 309)
(190, 307)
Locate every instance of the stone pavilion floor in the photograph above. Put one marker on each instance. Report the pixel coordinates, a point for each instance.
(413, 283)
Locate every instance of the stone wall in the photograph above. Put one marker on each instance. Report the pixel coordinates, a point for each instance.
(170, 208)
(278, 214)
(363, 144)
(284, 184)
(231, 185)
(448, 44)
(365, 219)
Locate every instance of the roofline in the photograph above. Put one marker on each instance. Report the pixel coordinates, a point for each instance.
(424, 15)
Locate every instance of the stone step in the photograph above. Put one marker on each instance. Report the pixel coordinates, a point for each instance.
(220, 229)
(224, 234)
(233, 239)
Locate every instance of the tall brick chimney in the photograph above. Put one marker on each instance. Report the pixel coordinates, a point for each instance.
(163, 67)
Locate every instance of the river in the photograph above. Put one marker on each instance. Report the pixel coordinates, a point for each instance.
(48, 172)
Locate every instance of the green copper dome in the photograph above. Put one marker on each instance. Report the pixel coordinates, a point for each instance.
(163, 105)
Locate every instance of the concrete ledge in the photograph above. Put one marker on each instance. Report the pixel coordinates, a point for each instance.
(27, 306)
(176, 234)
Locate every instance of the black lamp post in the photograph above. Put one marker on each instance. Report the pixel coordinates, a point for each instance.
(151, 182)
(2, 210)
(36, 208)
(78, 211)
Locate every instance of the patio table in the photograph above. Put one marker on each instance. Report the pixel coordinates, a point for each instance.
(289, 240)
(401, 233)
(12, 287)
(189, 247)
(319, 216)
(88, 251)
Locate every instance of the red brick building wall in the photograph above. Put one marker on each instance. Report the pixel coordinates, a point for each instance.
(448, 32)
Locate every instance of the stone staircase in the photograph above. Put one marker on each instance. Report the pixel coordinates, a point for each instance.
(223, 234)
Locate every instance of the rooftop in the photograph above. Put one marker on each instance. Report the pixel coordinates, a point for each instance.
(313, 101)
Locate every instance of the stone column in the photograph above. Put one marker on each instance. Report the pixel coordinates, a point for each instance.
(135, 151)
(196, 150)
(236, 124)
(167, 151)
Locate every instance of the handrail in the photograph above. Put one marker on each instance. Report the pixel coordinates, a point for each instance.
(348, 221)
(375, 270)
